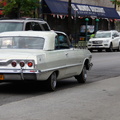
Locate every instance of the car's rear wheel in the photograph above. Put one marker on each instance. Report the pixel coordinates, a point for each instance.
(83, 76)
(52, 82)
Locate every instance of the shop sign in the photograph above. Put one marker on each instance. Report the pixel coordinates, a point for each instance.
(88, 10)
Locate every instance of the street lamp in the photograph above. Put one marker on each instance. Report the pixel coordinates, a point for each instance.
(69, 18)
(97, 20)
(75, 19)
(86, 32)
(41, 9)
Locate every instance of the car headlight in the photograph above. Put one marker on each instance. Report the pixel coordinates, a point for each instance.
(89, 42)
(106, 41)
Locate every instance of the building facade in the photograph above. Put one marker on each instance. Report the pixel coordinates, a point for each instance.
(86, 15)
(117, 22)
(107, 3)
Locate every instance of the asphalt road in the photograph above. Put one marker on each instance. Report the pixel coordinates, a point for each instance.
(106, 65)
(95, 101)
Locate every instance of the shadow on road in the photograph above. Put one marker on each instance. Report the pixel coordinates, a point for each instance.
(11, 92)
(16, 91)
(29, 88)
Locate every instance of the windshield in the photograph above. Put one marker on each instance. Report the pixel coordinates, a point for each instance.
(21, 42)
(11, 26)
(45, 26)
(103, 35)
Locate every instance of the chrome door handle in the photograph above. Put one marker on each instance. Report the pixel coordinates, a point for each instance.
(66, 54)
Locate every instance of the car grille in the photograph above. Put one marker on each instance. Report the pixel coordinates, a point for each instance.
(97, 42)
(97, 45)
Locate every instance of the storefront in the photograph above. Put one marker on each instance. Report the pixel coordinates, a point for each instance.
(99, 18)
(117, 22)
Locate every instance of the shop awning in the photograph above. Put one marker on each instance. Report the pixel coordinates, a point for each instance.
(61, 7)
(56, 7)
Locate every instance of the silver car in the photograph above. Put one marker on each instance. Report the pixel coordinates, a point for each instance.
(41, 56)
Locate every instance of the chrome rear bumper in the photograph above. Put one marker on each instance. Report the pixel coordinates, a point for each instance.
(19, 74)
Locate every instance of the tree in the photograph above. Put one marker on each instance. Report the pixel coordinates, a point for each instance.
(115, 2)
(20, 8)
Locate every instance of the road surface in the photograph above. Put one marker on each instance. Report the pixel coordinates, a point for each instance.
(98, 99)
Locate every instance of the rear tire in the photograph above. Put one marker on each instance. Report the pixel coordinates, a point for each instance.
(83, 76)
(52, 82)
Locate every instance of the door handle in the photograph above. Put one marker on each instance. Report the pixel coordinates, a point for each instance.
(66, 54)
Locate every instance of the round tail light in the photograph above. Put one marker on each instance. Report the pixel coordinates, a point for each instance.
(30, 64)
(22, 63)
(14, 63)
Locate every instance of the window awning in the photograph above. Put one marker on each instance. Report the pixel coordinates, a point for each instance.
(55, 7)
(61, 7)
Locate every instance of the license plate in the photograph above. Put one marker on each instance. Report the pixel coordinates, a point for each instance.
(96, 46)
(1, 77)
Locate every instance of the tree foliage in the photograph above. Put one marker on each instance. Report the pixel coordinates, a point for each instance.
(115, 2)
(19, 8)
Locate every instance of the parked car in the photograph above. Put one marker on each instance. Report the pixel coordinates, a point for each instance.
(48, 56)
(108, 40)
(24, 25)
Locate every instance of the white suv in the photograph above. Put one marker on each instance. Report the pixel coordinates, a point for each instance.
(108, 40)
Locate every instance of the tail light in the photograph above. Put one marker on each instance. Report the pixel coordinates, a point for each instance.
(14, 63)
(30, 64)
(22, 63)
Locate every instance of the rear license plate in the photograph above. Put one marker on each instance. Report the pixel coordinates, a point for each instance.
(1, 77)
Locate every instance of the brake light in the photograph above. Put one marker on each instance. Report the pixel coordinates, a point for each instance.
(14, 63)
(22, 63)
(30, 64)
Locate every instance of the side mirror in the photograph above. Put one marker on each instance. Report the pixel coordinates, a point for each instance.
(113, 37)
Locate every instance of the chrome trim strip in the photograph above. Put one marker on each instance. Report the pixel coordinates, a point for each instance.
(61, 67)
(36, 71)
(19, 71)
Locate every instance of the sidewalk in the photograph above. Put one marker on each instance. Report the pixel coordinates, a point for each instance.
(95, 101)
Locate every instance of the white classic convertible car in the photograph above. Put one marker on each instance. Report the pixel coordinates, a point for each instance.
(31, 55)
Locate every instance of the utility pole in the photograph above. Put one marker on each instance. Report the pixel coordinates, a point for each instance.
(115, 3)
(41, 9)
(69, 18)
